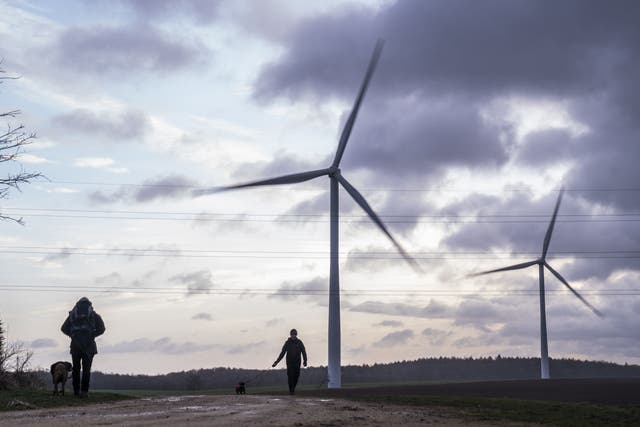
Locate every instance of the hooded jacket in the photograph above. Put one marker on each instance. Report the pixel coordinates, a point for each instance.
(83, 325)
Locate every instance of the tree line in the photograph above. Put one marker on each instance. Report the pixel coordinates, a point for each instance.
(425, 369)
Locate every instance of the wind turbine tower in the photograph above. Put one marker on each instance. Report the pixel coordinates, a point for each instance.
(542, 264)
(335, 179)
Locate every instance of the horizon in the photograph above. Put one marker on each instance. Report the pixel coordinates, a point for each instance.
(476, 117)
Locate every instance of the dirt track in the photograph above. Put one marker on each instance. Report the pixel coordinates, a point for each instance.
(236, 410)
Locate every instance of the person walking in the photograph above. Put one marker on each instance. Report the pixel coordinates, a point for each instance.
(293, 348)
(82, 325)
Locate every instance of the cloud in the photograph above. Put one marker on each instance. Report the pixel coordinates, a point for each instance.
(202, 316)
(390, 324)
(200, 11)
(433, 310)
(500, 49)
(114, 126)
(394, 339)
(168, 187)
(32, 159)
(315, 289)
(103, 163)
(120, 51)
(436, 337)
(162, 345)
(245, 348)
(524, 229)
(43, 343)
(273, 322)
(428, 108)
(199, 282)
(113, 278)
(62, 254)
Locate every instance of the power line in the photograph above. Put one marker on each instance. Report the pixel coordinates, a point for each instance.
(288, 188)
(320, 252)
(363, 220)
(304, 215)
(279, 292)
(63, 252)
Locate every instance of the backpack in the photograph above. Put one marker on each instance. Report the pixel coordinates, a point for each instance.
(83, 324)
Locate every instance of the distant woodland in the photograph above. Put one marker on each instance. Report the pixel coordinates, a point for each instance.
(433, 369)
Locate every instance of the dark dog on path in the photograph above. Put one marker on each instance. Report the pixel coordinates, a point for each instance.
(240, 388)
(59, 375)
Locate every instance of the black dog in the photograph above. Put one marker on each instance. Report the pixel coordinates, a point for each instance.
(59, 375)
(240, 388)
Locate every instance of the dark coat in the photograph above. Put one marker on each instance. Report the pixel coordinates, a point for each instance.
(88, 345)
(293, 349)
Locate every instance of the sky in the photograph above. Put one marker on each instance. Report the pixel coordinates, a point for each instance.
(478, 113)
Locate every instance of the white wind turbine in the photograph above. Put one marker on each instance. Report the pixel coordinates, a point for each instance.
(335, 177)
(542, 263)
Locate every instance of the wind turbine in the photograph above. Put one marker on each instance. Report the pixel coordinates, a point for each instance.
(335, 177)
(542, 263)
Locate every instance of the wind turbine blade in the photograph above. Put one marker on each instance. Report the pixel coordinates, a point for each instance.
(511, 267)
(285, 179)
(365, 206)
(580, 297)
(547, 237)
(346, 132)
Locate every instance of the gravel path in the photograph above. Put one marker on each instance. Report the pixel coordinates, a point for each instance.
(239, 411)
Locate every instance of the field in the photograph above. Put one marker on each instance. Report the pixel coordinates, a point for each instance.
(586, 402)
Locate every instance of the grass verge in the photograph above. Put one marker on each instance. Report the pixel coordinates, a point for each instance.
(35, 399)
(528, 411)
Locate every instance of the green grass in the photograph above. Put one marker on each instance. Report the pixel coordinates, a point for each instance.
(45, 399)
(550, 413)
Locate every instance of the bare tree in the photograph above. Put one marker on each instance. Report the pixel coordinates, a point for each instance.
(14, 355)
(12, 142)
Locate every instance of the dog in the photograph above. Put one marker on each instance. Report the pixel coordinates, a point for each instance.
(240, 388)
(59, 375)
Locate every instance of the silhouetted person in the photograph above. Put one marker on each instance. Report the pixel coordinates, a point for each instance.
(83, 325)
(294, 348)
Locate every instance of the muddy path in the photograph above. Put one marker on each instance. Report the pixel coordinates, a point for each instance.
(237, 410)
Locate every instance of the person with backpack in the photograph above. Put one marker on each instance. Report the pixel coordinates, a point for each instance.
(293, 348)
(82, 325)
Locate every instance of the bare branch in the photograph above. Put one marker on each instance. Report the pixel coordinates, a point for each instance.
(12, 143)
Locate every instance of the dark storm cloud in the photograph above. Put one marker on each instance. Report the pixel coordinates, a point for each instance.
(163, 345)
(519, 223)
(200, 11)
(572, 329)
(43, 343)
(168, 187)
(463, 46)
(121, 51)
(444, 62)
(116, 127)
(199, 282)
(395, 338)
(430, 139)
